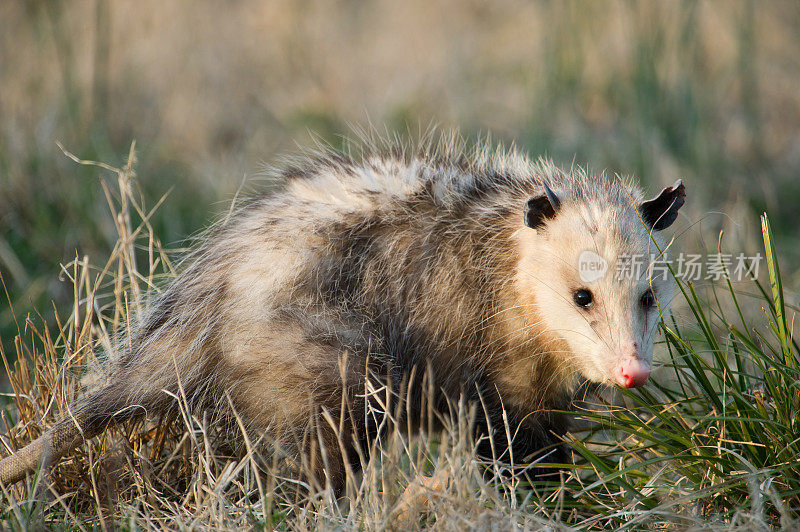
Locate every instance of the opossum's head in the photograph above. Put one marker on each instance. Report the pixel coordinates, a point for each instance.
(589, 267)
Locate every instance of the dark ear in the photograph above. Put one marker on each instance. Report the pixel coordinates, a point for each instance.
(661, 211)
(539, 208)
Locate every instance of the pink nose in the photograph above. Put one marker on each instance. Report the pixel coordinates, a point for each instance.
(632, 372)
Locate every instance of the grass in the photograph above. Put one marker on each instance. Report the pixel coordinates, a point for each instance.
(712, 441)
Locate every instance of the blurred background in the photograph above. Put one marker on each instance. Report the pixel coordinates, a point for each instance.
(706, 91)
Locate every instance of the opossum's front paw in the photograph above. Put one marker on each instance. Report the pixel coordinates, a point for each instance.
(419, 496)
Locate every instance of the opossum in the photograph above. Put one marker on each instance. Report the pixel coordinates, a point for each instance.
(433, 270)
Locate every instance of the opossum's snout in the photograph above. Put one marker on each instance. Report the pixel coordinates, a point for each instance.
(632, 368)
(632, 372)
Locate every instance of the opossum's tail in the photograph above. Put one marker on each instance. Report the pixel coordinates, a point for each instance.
(97, 411)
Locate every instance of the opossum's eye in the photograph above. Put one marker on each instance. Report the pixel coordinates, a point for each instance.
(582, 298)
(648, 299)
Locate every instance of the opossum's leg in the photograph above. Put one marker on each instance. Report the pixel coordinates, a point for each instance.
(307, 395)
(419, 496)
(90, 418)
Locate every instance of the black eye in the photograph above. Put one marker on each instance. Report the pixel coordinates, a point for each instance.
(582, 298)
(648, 299)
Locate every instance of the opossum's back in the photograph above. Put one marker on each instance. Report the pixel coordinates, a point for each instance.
(268, 254)
(277, 240)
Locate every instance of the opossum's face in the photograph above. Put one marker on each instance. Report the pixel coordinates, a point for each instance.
(588, 269)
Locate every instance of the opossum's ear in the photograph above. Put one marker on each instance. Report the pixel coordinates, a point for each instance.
(538, 208)
(660, 211)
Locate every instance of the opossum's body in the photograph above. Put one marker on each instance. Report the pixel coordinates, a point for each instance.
(389, 270)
